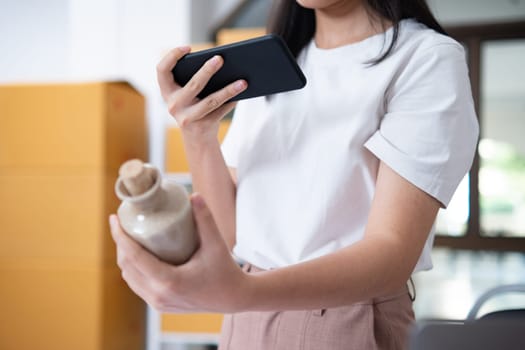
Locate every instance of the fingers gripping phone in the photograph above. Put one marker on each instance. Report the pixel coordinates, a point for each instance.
(264, 62)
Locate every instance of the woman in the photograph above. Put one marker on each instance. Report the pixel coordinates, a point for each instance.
(327, 194)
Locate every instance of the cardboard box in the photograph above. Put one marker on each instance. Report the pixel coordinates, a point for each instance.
(87, 126)
(176, 161)
(191, 323)
(47, 306)
(233, 35)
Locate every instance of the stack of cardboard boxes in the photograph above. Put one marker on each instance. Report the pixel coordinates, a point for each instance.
(60, 149)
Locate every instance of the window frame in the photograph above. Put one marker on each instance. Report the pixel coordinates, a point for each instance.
(473, 37)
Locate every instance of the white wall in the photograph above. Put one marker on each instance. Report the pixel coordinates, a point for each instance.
(33, 37)
(206, 14)
(477, 11)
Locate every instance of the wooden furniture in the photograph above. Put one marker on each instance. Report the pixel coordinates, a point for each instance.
(60, 149)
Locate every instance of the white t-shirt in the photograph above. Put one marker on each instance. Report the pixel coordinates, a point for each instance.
(307, 160)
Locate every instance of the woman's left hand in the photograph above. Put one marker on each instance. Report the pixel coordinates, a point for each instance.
(210, 281)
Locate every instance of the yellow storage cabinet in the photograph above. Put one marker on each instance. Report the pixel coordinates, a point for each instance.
(60, 149)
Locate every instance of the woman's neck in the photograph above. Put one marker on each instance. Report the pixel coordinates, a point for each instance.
(344, 23)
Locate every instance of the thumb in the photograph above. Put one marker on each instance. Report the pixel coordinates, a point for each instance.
(204, 221)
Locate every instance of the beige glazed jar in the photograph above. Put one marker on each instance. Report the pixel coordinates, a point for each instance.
(156, 212)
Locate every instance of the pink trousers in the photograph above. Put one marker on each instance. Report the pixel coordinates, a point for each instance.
(380, 323)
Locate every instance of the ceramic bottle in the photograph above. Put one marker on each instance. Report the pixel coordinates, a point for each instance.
(156, 212)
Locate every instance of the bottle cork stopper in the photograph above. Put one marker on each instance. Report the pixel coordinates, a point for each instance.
(136, 177)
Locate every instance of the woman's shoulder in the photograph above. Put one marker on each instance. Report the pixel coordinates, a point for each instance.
(419, 40)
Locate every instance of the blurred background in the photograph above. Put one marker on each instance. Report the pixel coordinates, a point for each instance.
(78, 96)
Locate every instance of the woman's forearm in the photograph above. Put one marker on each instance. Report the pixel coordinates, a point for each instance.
(354, 274)
(211, 178)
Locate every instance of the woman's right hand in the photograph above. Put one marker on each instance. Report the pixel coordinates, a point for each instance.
(197, 118)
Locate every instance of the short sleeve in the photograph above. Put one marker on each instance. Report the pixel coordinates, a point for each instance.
(429, 132)
(231, 144)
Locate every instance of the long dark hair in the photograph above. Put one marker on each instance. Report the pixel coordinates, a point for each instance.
(296, 24)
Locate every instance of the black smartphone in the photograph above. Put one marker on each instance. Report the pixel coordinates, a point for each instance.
(265, 63)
